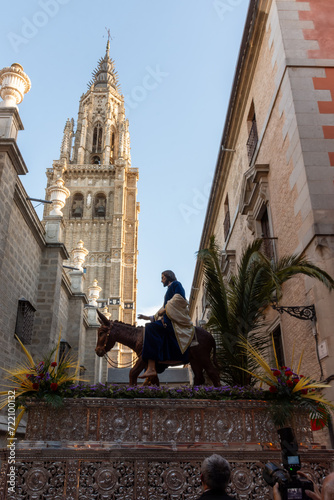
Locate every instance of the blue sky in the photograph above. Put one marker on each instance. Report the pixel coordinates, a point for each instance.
(189, 48)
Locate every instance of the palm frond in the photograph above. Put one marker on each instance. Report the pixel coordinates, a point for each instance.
(26, 352)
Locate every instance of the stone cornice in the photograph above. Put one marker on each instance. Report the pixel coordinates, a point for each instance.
(10, 147)
(29, 214)
(64, 253)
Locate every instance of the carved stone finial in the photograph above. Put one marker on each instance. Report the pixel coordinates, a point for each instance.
(14, 83)
(106, 313)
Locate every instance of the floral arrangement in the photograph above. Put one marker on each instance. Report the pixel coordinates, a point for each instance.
(45, 380)
(288, 388)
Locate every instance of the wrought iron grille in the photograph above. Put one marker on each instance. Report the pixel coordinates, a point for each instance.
(252, 141)
(268, 247)
(227, 224)
(24, 321)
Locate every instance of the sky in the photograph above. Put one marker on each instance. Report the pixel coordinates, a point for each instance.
(189, 48)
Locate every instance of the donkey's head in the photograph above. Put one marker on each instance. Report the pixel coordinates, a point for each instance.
(105, 338)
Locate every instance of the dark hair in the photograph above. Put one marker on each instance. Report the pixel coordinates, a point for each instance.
(169, 275)
(216, 472)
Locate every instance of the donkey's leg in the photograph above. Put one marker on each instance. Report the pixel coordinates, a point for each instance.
(212, 373)
(136, 370)
(198, 373)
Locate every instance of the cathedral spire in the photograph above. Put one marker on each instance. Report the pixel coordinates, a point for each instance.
(104, 74)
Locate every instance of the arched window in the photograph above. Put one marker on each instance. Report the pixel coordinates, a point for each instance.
(112, 142)
(97, 139)
(77, 205)
(112, 146)
(100, 205)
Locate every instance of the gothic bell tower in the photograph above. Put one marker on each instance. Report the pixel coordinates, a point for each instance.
(102, 210)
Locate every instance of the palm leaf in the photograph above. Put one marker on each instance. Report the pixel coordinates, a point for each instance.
(26, 352)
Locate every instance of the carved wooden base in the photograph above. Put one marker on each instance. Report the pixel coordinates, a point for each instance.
(148, 450)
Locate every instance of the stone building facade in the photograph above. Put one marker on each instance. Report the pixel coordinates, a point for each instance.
(274, 174)
(37, 296)
(44, 288)
(102, 209)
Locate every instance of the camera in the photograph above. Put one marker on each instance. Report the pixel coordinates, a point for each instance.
(291, 487)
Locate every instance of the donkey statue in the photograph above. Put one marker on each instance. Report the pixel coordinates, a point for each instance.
(111, 332)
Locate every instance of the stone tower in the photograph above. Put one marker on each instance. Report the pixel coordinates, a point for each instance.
(102, 210)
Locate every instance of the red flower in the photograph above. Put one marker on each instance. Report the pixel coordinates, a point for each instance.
(289, 383)
(295, 380)
(288, 373)
(53, 364)
(304, 391)
(276, 373)
(35, 386)
(53, 386)
(283, 367)
(317, 424)
(273, 389)
(301, 376)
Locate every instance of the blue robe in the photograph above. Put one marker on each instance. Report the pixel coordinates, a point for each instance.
(160, 343)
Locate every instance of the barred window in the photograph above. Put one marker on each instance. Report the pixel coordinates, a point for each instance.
(227, 219)
(253, 135)
(24, 321)
(278, 342)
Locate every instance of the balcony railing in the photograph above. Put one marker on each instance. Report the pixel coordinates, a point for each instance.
(252, 142)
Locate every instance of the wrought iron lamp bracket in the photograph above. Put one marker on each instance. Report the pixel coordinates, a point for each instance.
(300, 312)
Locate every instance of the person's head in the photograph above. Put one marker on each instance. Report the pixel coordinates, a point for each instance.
(327, 492)
(215, 473)
(167, 277)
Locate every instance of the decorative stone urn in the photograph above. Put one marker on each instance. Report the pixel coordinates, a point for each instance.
(94, 293)
(79, 254)
(14, 83)
(145, 449)
(58, 194)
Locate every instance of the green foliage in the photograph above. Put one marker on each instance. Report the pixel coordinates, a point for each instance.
(237, 308)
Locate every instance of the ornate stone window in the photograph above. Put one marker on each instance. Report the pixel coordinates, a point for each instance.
(254, 203)
(97, 138)
(228, 264)
(77, 206)
(100, 205)
(24, 320)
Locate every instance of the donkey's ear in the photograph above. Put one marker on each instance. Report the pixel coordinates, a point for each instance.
(102, 319)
